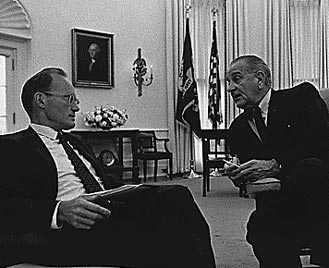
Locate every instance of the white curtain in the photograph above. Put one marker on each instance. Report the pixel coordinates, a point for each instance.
(324, 45)
(278, 42)
(180, 139)
(237, 32)
(310, 22)
(305, 40)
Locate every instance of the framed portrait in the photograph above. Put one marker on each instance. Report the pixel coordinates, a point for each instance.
(92, 59)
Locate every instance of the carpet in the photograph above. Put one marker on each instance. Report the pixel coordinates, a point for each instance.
(227, 215)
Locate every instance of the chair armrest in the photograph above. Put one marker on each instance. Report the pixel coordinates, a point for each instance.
(165, 142)
(161, 139)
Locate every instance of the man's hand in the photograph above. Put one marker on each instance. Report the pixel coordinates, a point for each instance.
(253, 170)
(81, 212)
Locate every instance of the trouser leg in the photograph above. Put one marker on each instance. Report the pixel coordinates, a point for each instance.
(279, 226)
(162, 227)
(175, 214)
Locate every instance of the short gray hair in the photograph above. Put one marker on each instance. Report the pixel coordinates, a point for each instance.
(40, 82)
(255, 63)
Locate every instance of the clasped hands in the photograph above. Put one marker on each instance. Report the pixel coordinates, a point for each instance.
(81, 212)
(252, 170)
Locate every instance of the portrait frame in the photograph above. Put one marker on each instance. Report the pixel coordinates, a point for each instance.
(92, 59)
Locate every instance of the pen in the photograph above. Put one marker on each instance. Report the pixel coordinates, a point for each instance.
(230, 163)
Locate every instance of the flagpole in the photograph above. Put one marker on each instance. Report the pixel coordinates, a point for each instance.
(215, 172)
(187, 111)
(192, 174)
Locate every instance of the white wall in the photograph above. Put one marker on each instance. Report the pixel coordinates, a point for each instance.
(133, 23)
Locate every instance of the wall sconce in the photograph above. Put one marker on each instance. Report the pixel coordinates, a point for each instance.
(140, 70)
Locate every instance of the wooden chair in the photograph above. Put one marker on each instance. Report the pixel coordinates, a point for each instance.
(214, 150)
(147, 149)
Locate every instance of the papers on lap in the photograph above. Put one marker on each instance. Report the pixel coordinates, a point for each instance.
(112, 192)
(263, 185)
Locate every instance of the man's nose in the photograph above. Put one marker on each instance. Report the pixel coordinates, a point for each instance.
(230, 87)
(76, 107)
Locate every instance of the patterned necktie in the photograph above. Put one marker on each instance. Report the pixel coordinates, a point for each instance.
(88, 180)
(260, 124)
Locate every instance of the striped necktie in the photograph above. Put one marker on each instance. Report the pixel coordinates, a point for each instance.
(88, 180)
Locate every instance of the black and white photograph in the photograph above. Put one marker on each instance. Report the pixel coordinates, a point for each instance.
(164, 133)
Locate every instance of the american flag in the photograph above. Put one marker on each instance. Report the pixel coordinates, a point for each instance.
(214, 96)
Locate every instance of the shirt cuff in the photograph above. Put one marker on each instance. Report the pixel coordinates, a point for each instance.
(54, 218)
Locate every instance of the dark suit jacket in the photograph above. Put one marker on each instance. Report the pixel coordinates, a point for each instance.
(298, 128)
(98, 72)
(29, 182)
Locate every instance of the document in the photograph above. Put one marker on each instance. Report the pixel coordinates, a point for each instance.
(107, 194)
(263, 185)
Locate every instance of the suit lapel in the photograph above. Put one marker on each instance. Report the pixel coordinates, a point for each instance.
(274, 110)
(36, 144)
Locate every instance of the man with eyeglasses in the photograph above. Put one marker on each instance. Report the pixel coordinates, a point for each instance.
(282, 134)
(50, 214)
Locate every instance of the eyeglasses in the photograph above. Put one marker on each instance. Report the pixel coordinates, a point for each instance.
(70, 98)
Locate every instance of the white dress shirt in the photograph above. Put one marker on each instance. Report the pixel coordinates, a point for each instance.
(69, 184)
(264, 104)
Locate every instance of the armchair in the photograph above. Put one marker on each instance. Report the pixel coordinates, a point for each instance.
(147, 149)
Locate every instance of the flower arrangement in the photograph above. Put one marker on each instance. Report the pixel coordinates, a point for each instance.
(105, 117)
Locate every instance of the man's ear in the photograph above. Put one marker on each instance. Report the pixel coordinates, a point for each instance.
(40, 100)
(260, 76)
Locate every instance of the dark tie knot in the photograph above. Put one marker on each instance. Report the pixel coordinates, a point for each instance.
(253, 111)
(60, 136)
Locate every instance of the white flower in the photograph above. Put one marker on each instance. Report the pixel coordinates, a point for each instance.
(98, 118)
(115, 117)
(106, 117)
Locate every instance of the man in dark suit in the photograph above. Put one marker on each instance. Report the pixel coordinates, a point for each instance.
(289, 142)
(93, 67)
(50, 215)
